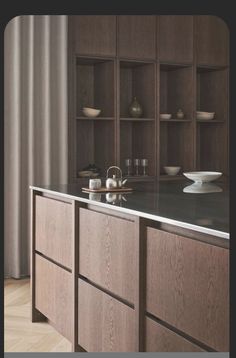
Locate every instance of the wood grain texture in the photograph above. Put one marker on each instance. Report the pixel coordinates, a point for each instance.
(133, 32)
(95, 34)
(212, 41)
(105, 324)
(188, 286)
(106, 254)
(162, 339)
(53, 295)
(176, 38)
(53, 232)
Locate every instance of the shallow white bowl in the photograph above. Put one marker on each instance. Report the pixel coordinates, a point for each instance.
(202, 177)
(205, 115)
(172, 170)
(91, 112)
(165, 116)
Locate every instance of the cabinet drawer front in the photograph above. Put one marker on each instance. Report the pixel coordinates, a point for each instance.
(188, 286)
(162, 339)
(105, 324)
(107, 252)
(53, 295)
(53, 231)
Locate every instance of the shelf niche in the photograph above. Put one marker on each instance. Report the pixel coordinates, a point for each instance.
(211, 83)
(212, 147)
(95, 85)
(176, 89)
(95, 144)
(176, 146)
(137, 140)
(137, 79)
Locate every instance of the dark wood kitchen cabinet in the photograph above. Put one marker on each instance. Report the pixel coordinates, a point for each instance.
(133, 32)
(134, 284)
(168, 62)
(212, 41)
(95, 35)
(176, 38)
(188, 286)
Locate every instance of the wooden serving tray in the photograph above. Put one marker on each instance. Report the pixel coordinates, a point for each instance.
(105, 190)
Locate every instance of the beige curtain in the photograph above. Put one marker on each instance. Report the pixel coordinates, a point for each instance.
(35, 121)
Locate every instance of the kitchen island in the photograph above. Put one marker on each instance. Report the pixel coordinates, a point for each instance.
(141, 271)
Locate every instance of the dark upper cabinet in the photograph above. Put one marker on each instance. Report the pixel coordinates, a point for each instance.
(212, 41)
(95, 35)
(176, 38)
(137, 36)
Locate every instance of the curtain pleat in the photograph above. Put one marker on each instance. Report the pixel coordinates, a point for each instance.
(35, 124)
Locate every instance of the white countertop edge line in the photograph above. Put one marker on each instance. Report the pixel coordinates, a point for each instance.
(204, 230)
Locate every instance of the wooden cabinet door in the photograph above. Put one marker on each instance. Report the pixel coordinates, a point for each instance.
(137, 36)
(105, 324)
(53, 294)
(188, 286)
(176, 38)
(95, 35)
(212, 37)
(162, 339)
(53, 229)
(106, 252)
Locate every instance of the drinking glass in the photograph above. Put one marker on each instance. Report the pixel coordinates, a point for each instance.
(136, 165)
(144, 164)
(128, 164)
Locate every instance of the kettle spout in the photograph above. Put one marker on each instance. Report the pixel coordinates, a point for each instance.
(123, 182)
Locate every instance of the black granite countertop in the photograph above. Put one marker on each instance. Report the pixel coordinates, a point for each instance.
(167, 202)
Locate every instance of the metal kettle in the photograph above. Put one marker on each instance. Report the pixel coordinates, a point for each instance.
(114, 182)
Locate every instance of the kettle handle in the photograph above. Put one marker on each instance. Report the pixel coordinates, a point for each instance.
(113, 166)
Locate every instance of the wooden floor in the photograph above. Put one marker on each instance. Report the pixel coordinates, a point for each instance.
(21, 335)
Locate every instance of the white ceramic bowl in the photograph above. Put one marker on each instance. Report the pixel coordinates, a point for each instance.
(198, 188)
(91, 112)
(165, 116)
(172, 170)
(202, 177)
(205, 115)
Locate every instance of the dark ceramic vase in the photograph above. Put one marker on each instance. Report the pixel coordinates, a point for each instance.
(135, 109)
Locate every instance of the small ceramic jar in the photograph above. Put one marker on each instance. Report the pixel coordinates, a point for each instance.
(180, 114)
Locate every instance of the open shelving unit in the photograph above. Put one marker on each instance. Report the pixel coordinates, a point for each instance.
(164, 75)
(212, 96)
(137, 78)
(95, 137)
